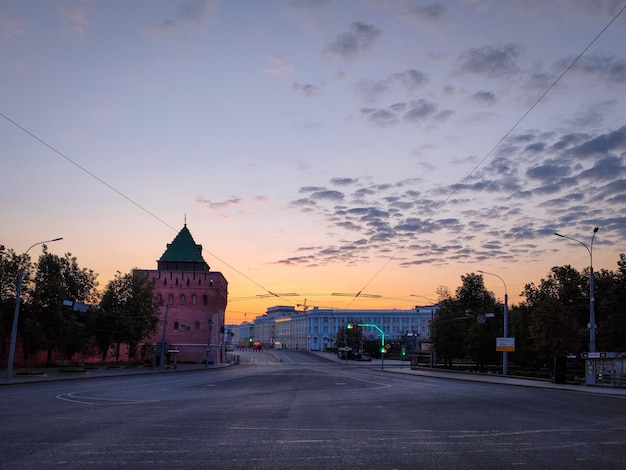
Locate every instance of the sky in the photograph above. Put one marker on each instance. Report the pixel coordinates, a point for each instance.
(318, 147)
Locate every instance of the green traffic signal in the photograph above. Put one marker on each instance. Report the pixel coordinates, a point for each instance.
(349, 326)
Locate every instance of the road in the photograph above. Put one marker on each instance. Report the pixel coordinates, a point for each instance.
(293, 409)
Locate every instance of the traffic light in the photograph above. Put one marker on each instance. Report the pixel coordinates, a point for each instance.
(250, 339)
(349, 326)
(383, 350)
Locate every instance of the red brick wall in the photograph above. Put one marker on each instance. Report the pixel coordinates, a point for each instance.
(195, 317)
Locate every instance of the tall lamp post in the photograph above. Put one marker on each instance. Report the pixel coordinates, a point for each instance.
(590, 379)
(505, 354)
(16, 314)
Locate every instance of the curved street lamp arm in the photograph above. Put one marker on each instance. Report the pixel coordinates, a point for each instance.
(492, 274)
(574, 240)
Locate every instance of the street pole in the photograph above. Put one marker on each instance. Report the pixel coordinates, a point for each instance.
(590, 379)
(505, 354)
(16, 313)
(382, 346)
(163, 344)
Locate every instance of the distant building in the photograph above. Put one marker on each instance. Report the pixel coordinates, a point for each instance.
(284, 327)
(193, 303)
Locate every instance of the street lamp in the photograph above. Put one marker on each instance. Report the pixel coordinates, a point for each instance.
(505, 354)
(592, 301)
(16, 314)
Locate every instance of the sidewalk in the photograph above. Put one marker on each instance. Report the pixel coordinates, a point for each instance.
(404, 367)
(21, 376)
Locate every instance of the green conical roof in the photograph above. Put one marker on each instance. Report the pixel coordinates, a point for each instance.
(183, 249)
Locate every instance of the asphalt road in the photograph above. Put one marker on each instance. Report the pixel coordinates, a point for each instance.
(291, 409)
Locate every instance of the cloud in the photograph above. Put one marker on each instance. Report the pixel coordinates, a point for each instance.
(343, 181)
(549, 171)
(427, 14)
(491, 61)
(232, 202)
(328, 194)
(10, 28)
(535, 184)
(484, 98)
(307, 90)
(615, 140)
(409, 80)
(306, 6)
(419, 110)
(603, 68)
(193, 12)
(76, 20)
(411, 112)
(352, 44)
(279, 67)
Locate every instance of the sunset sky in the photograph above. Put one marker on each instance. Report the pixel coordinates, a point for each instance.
(317, 146)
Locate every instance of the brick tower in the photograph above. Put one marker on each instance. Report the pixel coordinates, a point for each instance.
(193, 303)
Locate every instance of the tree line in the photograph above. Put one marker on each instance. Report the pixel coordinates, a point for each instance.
(551, 322)
(123, 314)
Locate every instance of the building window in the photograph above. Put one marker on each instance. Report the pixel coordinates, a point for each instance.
(197, 326)
(205, 299)
(170, 299)
(187, 281)
(164, 281)
(194, 300)
(182, 299)
(175, 326)
(159, 299)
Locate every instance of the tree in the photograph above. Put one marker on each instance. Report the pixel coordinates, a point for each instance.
(447, 331)
(350, 335)
(50, 325)
(456, 333)
(128, 312)
(557, 307)
(610, 296)
(9, 268)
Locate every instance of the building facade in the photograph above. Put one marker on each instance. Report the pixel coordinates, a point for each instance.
(283, 327)
(193, 304)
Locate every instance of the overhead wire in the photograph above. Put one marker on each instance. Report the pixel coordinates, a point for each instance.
(459, 184)
(456, 187)
(129, 199)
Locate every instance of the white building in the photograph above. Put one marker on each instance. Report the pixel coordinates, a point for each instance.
(283, 327)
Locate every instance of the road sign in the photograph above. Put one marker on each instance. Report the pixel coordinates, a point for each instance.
(505, 344)
(481, 318)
